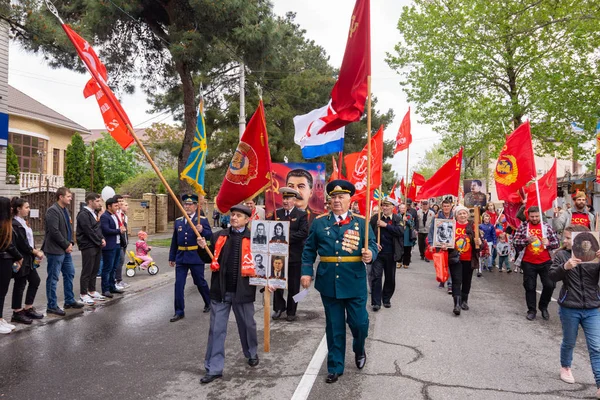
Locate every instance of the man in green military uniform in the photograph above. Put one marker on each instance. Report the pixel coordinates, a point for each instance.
(339, 237)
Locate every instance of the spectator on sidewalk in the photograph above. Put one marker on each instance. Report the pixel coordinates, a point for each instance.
(58, 246)
(124, 221)
(216, 218)
(28, 271)
(9, 258)
(111, 253)
(90, 242)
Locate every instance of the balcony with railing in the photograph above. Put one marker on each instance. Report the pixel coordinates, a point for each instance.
(31, 182)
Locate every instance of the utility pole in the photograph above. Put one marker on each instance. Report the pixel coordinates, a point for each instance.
(242, 120)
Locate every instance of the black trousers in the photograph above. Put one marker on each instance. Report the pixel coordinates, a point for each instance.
(462, 276)
(421, 240)
(384, 265)
(90, 260)
(5, 275)
(33, 279)
(530, 274)
(407, 255)
(279, 303)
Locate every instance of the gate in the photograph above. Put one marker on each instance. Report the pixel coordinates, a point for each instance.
(41, 201)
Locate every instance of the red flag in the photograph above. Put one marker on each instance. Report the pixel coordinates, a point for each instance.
(392, 192)
(417, 180)
(350, 91)
(548, 191)
(402, 188)
(336, 174)
(358, 176)
(516, 164)
(115, 118)
(445, 181)
(249, 171)
(404, 137)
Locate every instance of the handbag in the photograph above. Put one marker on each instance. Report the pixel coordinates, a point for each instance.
(440, 262)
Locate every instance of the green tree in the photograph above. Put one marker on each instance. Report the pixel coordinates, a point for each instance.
(163, 143)
(433, 159)
(98, 173)
(475, 69)
(76, 165)
(12, 163)
(118, 164)
(148, 182)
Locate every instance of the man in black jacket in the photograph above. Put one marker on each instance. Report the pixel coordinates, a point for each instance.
(58, 246)
(391, 227)
(298, 233)
(90, 242)
(230, 288)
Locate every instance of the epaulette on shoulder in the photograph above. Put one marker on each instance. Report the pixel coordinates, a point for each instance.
(180, 218)
(322, 215)
(358, 216)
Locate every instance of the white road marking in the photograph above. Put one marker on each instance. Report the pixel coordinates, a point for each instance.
(552, 298)
(310, 375)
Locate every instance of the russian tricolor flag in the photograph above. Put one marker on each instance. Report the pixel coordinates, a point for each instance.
(315, 144)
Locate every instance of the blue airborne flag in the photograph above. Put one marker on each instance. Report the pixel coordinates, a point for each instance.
(193, 173)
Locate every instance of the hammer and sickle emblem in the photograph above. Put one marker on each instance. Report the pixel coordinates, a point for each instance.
(353, 26)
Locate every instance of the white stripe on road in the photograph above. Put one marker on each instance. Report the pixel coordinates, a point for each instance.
(551, 298)
(310, 375)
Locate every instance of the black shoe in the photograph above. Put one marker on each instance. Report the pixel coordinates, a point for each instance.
(530, 316)
(427, 260)
(76, 304)
(209, 378)
(253, 361)
(57, 311)
(479, 274)
(31, 313)
(176, 318)
(332, 378)
(360, 360)
(387, 305)
(464, 306)
(291, 318)
(276, 314)
(115, 290)
(21, 318)
(545, 314)
(206, 309)
(457, 303)
(107, 294)
(376, 308)
(422, 258)
(463, 302)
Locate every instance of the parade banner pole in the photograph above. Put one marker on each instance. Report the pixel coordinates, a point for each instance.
(368, 196)
(267, 318)
(379, 216)
(476, 223)
(407, 185)
(340, 157)
(539, 200)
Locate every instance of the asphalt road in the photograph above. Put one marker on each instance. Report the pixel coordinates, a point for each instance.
(416, 350)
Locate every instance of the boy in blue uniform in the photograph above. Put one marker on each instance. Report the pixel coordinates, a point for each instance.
(184, 256)
(339, 237)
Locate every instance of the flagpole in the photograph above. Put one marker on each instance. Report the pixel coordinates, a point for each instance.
(539, 200)
(340, 156)
(368, 196)
(407, 186)
(379, 216)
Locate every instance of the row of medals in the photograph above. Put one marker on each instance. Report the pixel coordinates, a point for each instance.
(351, 240)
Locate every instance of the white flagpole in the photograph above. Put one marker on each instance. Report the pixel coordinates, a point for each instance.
(537, 191)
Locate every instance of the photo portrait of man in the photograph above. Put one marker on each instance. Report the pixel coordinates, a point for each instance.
(443, 233)
(260, 237)
(259, 267)
(277, 268)
(474, 195)
(585, 246)
(302, 181)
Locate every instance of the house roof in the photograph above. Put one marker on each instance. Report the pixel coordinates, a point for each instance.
(21, 104)
(97, 134)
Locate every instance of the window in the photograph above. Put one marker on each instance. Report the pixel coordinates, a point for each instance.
(31, 151)
(64, 160)
(55, 161)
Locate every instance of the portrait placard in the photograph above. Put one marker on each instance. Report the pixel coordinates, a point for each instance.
(279, 236)
(261, 266)
(443, 232)
(279, 271)
(269, 244)
(475, 195)
(585, 246)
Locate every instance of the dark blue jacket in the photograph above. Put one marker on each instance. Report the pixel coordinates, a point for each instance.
(110, 231)
(489, 232)
(184, 236)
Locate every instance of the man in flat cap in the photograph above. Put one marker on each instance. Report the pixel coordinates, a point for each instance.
(578, 215)
(391, 250)
(184, 256)
(341, 278)
(298, 233)
(231, 268)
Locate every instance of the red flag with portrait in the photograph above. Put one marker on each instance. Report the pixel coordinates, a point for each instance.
(445, 181)
(516, 163)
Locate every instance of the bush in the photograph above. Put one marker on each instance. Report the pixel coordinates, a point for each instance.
(12, 163)
(148, 182)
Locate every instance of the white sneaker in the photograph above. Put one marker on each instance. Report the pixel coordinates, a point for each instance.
(97, 296)
(87, 300)
(6, 324)
(124, 284)
(566, 375)
(4, 329)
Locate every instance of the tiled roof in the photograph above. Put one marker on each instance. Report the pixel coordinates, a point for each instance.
(97, 134)
(21, 104)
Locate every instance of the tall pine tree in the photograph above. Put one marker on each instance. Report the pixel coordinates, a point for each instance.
(77, 164)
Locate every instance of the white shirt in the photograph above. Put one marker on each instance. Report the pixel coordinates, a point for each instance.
(344, 215)
(28, 231)
(288, 212)
(114, 217)
(92, 211)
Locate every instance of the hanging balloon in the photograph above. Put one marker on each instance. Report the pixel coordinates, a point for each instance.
(107, 193)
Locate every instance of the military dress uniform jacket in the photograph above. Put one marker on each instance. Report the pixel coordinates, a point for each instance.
(335, 278)
(184, 247)
(298, 231)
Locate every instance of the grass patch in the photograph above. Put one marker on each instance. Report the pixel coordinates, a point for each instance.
(160, 243)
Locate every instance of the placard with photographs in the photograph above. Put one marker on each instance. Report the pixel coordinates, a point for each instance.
(443, 232)
(585, 246)
(269, 245)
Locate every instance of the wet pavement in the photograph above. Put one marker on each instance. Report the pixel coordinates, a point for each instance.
(416, 350)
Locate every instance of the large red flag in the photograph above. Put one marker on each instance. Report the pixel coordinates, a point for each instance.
(350, 91)
(445, 181)
(548, 190)
(516, 163)
(115, 118)
(358, 174)
(416, 181)
(404, 137)
(249, 172)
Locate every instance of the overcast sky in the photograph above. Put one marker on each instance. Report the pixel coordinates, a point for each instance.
(326, 22)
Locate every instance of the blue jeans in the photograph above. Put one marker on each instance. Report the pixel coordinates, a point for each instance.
(110, 260)
(589, 319)
(503, 261)
(58, 263)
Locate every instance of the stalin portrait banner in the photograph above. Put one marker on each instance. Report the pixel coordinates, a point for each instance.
(475, 195)
(279, 172)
